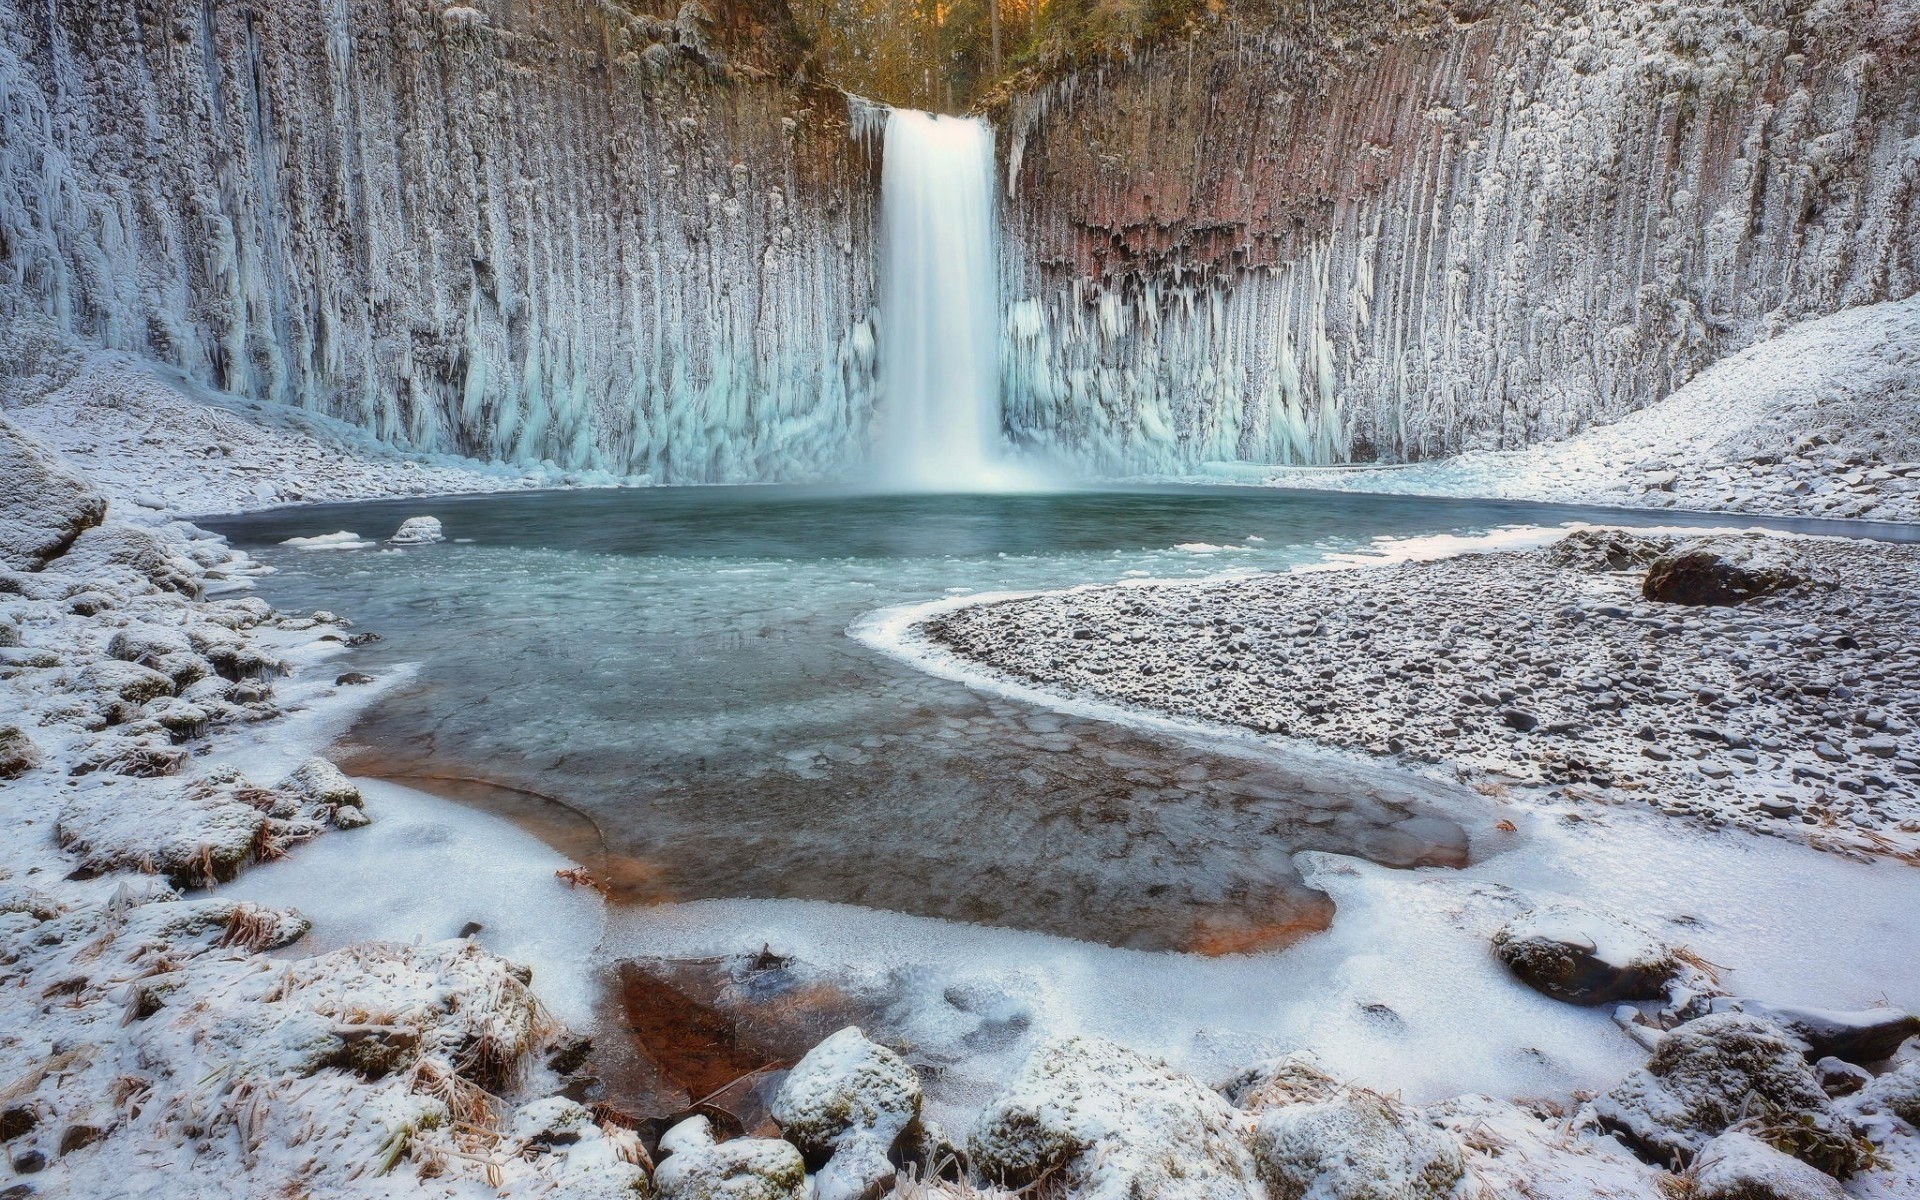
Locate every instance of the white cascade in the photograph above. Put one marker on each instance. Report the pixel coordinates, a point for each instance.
(939, 307)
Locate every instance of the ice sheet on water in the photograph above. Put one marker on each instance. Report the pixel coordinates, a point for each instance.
(343, 540)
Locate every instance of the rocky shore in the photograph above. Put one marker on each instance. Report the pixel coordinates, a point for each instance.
(1788, 709)
(157, 1039)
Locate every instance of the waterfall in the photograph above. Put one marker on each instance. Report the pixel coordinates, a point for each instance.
(939, 306)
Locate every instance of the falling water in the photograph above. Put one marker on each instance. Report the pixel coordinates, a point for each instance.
(940, 349)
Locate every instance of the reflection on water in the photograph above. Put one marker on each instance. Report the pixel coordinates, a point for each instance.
(660, 682)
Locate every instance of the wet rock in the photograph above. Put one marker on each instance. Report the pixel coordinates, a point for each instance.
(352, 678)
(1115, 1125)
(1358, 1146)
(18, 754)
(1863, 1037)
(1585, 957)
(1711, 576)
(44, 504)
(418, 531)
(698, 1168)
(1739, 1166)
(1722, 1070)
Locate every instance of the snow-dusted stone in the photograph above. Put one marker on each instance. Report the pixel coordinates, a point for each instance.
(1868, 1035)
(18, 754)
(698, 1168)
(193, 835)
(1739, 1166)
(418, 531)
(1607, 550)
(1717, 575)
(322, 783)
(128, 681)
(1116, 1124)
(1293, 1078)
(1718, 1071)
(44, 504)
(1896, 1092)
(554, 1121)
(1584, 957)
(1357, 1146)
(846, 1086)
(118, 551)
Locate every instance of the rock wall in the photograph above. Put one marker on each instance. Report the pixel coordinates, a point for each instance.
(569, 230)
(1404, 228)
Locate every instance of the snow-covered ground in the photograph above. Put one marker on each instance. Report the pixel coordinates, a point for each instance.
(1823, 420)
(151, 438)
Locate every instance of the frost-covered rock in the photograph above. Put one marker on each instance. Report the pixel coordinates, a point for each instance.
(320, 782)
(418, 531)
(1581, 956)
(554, 1121)
(846, 1085)
(194, 835)
(847, 1104)
(1721, 1070)
(18, 754)
(128, 681)
(1717, 575)
(1115, 1124)
(1896, 1092)
(44, 505)
(1357, 1146)
(117, 551)
(1864, 1036)
(698, 1168)
(1739, 1166)
(1607, 550)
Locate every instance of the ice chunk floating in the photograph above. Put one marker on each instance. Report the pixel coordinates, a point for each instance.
(940, 350)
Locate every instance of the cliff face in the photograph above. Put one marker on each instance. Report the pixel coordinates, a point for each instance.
(1406, 229)
(570, 230)
(584, 232)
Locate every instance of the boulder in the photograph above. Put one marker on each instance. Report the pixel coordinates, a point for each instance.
(18, 754)
(1115, 1125)
(698, 1168)
(1585, 957)
(1896, 1092)
(320, 782)
(128, 681)
(1356, 1146)
(554, 1121)
(418, 531)
(1607, 550)
(44, 504)
(1739, 1166)
(120, 551)
(846, 1086)
(847, 1104)
(1727, 1069)
(1869, 1035)
(1706, 574)
(196, 836)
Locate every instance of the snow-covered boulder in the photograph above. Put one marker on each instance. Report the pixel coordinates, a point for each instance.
(18, 754)
(1607, 550)
(1865, 1036)
(554, 1121)
(1356, 1146)
(195, 835)
(1896, 1092)
(1739, 1166)
(323, 784)
(1585, 957)
(418, 531)
(1719, 1071)
(1116, 1125)
(118, 552)
(846, 1086)
(44, 504)
(846, 1105)
(698, 1168)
